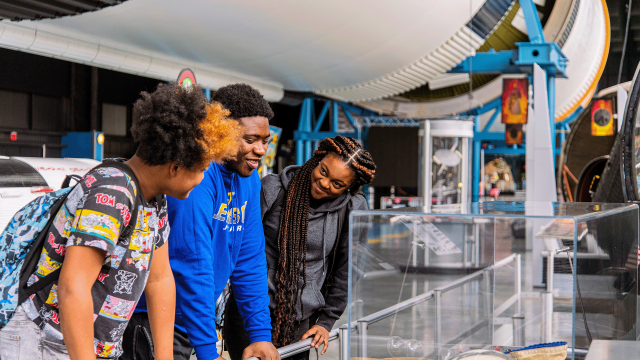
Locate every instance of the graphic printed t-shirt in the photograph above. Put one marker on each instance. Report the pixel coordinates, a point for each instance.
(94, 214)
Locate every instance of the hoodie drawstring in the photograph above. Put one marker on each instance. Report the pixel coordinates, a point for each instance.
(324, 251)
(234, 205)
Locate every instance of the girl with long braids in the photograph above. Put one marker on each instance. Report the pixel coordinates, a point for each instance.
(305, 212)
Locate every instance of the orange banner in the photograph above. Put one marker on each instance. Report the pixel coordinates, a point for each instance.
(513, 134)
(602, 118)
(514, 101)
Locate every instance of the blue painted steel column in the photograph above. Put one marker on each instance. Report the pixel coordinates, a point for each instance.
(308, 143)
(564, 128)
(551, 94)
(304, 124)
(335, 111)
(532, 20)
(475, 178)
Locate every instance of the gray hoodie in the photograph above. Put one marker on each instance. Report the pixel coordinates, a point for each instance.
(321, 238)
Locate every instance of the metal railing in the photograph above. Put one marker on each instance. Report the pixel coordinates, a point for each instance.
(362, 324)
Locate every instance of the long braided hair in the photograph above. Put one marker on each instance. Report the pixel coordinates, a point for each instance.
(294, 222)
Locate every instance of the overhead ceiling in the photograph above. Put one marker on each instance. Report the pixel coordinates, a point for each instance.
(351, 50)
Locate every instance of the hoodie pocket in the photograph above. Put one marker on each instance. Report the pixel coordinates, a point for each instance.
(311, 298)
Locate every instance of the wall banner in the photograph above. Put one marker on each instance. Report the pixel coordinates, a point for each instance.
(513, 134)
(514, 101)
(602, 118)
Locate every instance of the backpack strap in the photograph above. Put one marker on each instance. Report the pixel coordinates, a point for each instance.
(32, 258)
(120, 165)
(67, 180)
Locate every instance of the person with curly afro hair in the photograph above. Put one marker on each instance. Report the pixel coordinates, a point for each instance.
(217, 237)
(111, 227)
(179, 126)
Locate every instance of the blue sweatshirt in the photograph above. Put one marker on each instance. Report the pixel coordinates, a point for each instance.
(216, 235)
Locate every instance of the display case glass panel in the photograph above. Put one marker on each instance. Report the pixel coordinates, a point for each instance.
(433, 282)
(447, 169)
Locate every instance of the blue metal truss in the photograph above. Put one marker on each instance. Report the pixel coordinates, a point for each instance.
(520, 60)
(384, 121)
(309, 126)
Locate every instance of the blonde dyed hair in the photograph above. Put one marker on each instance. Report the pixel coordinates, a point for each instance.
(221, 135)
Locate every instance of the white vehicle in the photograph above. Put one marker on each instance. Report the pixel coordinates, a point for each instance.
(22, 179)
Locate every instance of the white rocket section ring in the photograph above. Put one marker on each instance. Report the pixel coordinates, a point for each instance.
(432, 68)
(329, 47)
(28, 39)
(462, 44)
(585, 48)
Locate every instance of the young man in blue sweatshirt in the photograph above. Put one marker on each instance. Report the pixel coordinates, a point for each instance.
(216, 235)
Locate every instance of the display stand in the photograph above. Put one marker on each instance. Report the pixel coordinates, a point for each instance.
(445, 154)
(413, 313)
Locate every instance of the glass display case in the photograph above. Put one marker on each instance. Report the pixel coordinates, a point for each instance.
(445, 154)
(434, 282)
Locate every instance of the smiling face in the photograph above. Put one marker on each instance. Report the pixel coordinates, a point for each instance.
(252, 146)
(331, 178)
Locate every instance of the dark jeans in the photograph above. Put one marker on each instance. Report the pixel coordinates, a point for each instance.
(137, 343)
(236, 338)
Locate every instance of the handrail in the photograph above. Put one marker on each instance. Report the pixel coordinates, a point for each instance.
(476, 274)
(384, 313)
(300, 346)
(305, 345)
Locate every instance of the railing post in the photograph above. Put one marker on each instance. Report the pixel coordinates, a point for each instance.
(438, 338)
(550, 270)
(359, 305)
(488, 299)
(518, 330)
(518, 318)
(343, 342)
(363, 326)
(518, 283)
(547, 318)
(547, 299)
(476, 243)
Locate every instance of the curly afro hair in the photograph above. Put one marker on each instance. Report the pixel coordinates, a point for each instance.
(178, 125)
(242, 101)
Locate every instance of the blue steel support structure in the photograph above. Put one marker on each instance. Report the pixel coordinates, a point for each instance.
(520, 60)
(475, 171)
(310, 126)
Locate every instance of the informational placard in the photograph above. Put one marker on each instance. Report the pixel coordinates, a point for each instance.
(426, 232)
(513, 134)
(397, 202)
(186, 79)
(563, 229)
(514, 101)
(268, 160)
(270, 156)
(602, 118)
